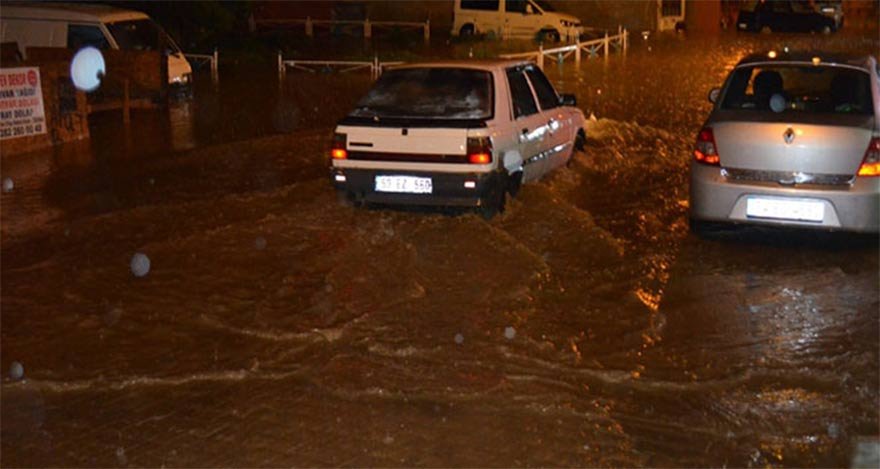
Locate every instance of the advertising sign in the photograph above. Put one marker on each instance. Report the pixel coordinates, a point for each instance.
(21, 103)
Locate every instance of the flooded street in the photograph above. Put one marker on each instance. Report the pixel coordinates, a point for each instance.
(583, 327)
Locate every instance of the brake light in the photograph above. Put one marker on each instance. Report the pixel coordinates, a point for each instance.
(338, 151)
(705, 150)
(871, 163)
(479, 150)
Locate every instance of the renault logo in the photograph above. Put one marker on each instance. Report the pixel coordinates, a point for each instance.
(788, 136)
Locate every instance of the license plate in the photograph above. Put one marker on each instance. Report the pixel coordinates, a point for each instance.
(404, 184)
(782, 209)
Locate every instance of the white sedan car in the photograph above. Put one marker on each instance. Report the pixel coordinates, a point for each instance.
(461, 133)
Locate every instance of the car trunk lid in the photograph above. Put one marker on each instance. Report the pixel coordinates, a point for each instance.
(808, 148)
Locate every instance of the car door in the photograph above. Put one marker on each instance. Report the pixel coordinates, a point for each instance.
(529, 124)
(519, 21)
(558, 140)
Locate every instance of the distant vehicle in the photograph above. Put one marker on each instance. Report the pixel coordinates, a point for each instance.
(521, 19)
(793, 139)
(784, 16)
(460, 133)
(76, 25)
(832, 9)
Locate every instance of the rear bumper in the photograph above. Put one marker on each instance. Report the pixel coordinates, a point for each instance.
(853, 208)
(448, 189)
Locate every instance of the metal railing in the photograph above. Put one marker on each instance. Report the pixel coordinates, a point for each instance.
(592, 48)
(212, 59)
(366, 24)
(375, 66)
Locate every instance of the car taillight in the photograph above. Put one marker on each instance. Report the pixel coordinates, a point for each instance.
(705, 150)
(338, 151)
(479, 150)
(871, 163)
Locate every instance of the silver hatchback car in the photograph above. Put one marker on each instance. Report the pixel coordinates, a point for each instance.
(793, 139)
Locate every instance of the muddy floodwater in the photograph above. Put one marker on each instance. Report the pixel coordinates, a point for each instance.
(273, 327)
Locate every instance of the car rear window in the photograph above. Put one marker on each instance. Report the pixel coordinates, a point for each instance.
(799, 88)
(429, 92)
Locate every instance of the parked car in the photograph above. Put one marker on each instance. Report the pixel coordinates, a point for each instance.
(784, 16)
(76, 25)
(832, 9)
(459, 133)
(793, 139)
(522, 19)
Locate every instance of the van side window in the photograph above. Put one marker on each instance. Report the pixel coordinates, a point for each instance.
(523, 101)
(515, 6)
(488, 5)
(546, 94)
(81, 35)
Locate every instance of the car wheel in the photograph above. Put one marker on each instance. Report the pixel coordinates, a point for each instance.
(494, 201)
(466, 30)
(708, 229)
(826, 30)
(514, 183)
(580, 142)
(550, 35)
(766, 30)
(347, 199)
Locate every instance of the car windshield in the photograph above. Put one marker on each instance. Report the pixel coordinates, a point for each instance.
(799, 88)
(430, 92)
(544, 5)
(140, 35)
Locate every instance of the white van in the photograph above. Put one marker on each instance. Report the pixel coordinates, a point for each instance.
(521, 19)
(76, 25)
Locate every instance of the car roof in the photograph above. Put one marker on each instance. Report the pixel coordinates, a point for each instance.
(806, 57)
(479, 64)
(85, 12)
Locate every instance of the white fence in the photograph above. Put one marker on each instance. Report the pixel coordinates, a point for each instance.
(366, 25)
(592, 48)
(212, 59)
(376, 67)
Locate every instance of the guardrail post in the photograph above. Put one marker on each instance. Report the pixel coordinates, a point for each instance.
(541, 56)
(625, 39)
(280, 69)
(428, 30)
(215, 66)
(605, 44)
(309, 31)
(577, 51)
(368, 29)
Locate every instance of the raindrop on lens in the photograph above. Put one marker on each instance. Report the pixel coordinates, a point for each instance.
(8, 185)
(140, 265)
(777, 103)
(260, 243)
(16, 371)
(459, 339)
(87, 68)
(509, 332)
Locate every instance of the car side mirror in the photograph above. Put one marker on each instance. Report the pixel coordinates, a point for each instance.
(529, 9)
(567, 100)
(713, 95)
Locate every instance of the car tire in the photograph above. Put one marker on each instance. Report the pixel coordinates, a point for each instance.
(580, 142)
(514, 183)
(708, 229)
(765, 30)
(347, 199)
(826, 30)
(550, 35)
(493, 202)
(466, 30)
